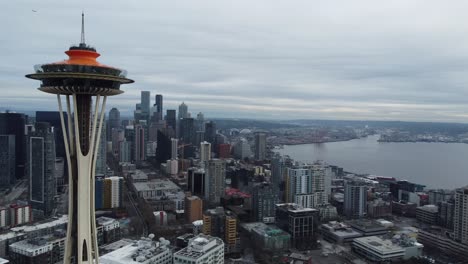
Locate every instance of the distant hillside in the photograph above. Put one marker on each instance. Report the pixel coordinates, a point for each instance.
(251, 124)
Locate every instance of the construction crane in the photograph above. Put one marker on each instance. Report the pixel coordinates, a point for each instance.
(182, 146)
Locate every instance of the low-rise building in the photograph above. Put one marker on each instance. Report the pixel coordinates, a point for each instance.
(144, 251)
(19, 233)
(377, 249)
(155, 189)
(108, 230)
(427, 214)
(369, 227)
(47, 249)
(201, 249)
(268, 237)
(339, 233)
(379, 208)
(438, 240)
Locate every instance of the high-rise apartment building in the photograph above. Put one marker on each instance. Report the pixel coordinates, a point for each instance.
(355, 199)
(41, 169)
(7, 160)
(260, 146)
(205, 152)
(264, 200)
(201, 249)
(193, 208)
(216, 175)
(460, 217)
(113, 192)
(219, 223)
(13, 124)
(305, 184)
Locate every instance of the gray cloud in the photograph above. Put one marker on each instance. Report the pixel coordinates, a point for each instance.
(393, 60)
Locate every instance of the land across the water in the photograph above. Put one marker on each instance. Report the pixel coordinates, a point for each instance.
(436, 165)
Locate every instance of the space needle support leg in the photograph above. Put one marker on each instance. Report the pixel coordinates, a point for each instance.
(92, 179)
(70, 181)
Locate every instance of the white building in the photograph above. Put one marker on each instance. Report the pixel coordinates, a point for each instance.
(306, 185)
(201, 249)
(205, 152)
(172, 167)
(377, 249)
(144, 251)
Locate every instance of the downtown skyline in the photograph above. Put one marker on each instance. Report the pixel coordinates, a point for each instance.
(363, 61)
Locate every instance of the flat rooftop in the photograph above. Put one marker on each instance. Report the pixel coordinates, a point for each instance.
(199, 246)
(295, 208)
(144, 249)
(34, 227)
(378, 244)
(156, 185)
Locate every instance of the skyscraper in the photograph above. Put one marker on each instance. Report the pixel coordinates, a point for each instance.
(13, 124)
(174, 146)
(171, 119)
(355, 199)
(187, 130)
(460, 223)
(145, 105)
(210, 132)
(80, 78)
(216, 174)
(183, 111)
(7, 160)
(205, 152)
(139, 143)
(260, 146)
(41, 169)
(264, 200)
(114, 122)
(159, 106)
(53, 118)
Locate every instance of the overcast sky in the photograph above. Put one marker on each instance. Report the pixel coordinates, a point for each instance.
(372, 60)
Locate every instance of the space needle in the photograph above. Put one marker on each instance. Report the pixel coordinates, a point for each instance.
(85, 84)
